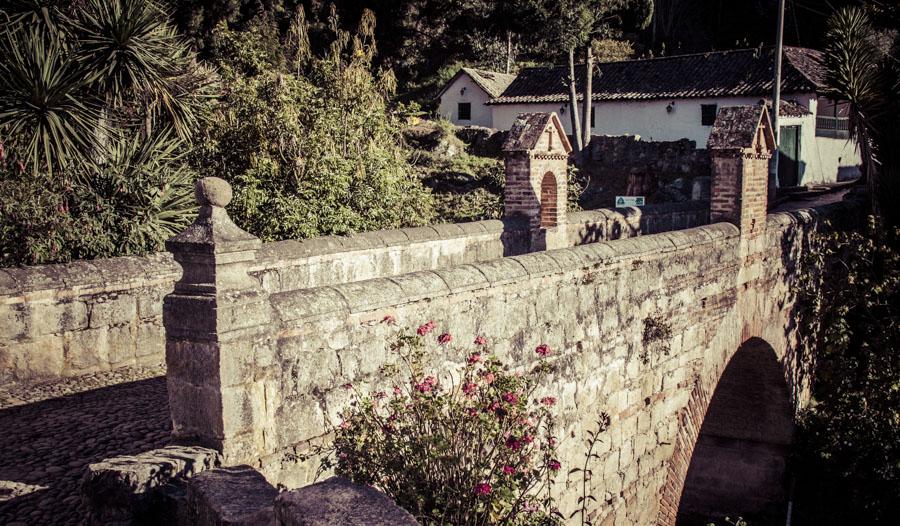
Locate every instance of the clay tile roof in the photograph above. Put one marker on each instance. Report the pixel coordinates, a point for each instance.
(744, 72)
(735, 127)
(490, 81)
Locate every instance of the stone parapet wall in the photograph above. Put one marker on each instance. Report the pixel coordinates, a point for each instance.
(84, 317)
(588, 303)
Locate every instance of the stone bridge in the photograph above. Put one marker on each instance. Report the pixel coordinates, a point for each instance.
(259, 340)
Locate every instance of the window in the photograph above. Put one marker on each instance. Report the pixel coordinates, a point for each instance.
(464, 111)
(708, 114)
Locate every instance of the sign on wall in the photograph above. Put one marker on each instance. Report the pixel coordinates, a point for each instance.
(629, 200)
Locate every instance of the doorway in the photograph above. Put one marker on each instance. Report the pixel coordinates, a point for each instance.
(789, 157)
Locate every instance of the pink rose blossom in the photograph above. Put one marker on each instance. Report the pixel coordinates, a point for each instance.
(445, 338)
(479, 340)
(469, 387)
(528, 439)
(390, 320)
(489, 378)
(510, 398)
(508, 470)
(474, 358)
(345, 424)
(483, 488)
(542, 349)
(347, 386)
(397, 390)
(554, 465)
(548, 401)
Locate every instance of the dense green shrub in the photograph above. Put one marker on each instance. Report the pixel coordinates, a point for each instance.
(848, 451)
(311, 153)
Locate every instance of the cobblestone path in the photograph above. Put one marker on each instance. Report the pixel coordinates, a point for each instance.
(46, 445)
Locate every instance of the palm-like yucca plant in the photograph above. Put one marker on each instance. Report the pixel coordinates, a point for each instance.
(46, 117)
(858, 72)
(147, 183)
(129, 51)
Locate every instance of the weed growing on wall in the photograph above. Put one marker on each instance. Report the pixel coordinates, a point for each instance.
(475, 449)
(656, 336)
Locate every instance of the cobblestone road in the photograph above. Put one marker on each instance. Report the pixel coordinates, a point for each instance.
(45, 445)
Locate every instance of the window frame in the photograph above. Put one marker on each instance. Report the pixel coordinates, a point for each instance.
(459, 112)
(704, 108)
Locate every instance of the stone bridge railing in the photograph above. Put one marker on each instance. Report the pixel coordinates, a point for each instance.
(86, 317)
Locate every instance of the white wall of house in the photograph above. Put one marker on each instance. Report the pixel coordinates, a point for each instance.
(464, 89)
(822, 158)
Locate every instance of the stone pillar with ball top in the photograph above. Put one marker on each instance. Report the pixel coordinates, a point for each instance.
(215, 323)
(536, 153)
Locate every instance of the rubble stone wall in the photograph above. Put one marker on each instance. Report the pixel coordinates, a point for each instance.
(90, 316)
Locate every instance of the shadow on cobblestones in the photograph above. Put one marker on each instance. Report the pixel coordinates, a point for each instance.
(49, 444)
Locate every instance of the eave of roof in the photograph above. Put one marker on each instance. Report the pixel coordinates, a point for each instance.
(746, 72)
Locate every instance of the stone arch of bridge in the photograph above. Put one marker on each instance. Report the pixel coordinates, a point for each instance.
(732, 446)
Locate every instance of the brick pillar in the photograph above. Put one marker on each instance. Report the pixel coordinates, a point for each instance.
(215, 321)
(738, 192)
(536, 156)
(740, 146)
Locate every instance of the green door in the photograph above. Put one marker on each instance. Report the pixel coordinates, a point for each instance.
(789, 157)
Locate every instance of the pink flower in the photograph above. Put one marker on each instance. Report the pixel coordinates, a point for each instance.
(347, 386)
(380, 395)
(390, 320)
(474, 358)
(548, 401)
(479, 340)
(494, 407)
(528, 439)
(552, 441)
(508, 470)
(345, 424)
(483, 488)
(542, 349)
(445, 338)
(425, 329)
(426, 385)
(554, 465)
(397, 390)
(513, 443)
(489, 378)
(510, 398)
(469, 387)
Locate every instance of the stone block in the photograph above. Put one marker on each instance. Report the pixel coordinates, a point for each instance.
(115, 309)
(230, 496)
(337, 501)
(143, 488)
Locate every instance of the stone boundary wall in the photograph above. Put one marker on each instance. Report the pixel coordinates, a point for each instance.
(85, 317)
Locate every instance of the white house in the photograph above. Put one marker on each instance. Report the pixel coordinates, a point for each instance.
(670, 98)
(464, 98)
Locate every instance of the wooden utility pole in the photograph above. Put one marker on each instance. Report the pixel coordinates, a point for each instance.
(776, 97)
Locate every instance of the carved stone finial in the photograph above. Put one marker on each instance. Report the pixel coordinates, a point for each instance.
(212, 191)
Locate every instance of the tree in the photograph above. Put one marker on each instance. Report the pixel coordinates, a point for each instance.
(306, 139)
(574, 25)
(862, 69)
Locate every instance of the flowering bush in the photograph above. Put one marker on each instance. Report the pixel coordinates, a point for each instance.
(477, 449)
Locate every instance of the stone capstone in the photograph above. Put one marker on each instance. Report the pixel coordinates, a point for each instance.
(212, 191)
(339, 502)
(232, 496)
(143, 488)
